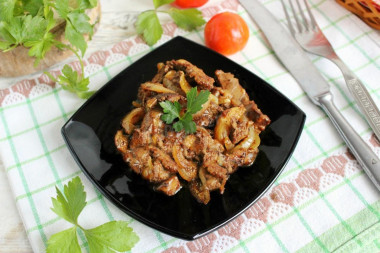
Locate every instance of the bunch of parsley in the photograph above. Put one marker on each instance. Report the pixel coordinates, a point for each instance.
(113, 236)
(30, 23)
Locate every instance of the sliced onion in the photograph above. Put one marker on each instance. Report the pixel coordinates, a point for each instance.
(131, 119)
(185, 86)
(186, 169)
(156, 88)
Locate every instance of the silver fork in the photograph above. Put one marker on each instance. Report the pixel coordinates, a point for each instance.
(310, 37)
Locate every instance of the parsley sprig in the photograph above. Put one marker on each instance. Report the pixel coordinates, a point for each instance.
(185, 121)
(148, 24)
(114, 236)
(31, 23)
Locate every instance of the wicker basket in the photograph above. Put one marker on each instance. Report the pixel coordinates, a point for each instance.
(367, 10)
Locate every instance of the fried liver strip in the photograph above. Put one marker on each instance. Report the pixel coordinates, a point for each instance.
(193, 73)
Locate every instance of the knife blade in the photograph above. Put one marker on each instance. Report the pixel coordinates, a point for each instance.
(308, 77)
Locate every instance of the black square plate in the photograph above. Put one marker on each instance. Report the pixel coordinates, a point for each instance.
(90, 132)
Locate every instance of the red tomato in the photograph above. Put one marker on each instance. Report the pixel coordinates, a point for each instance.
(189, 3)
(226, 33)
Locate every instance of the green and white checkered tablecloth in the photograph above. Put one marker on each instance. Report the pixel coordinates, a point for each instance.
(322, 202)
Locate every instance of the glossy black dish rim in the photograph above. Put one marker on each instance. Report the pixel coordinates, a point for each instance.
(143, 219)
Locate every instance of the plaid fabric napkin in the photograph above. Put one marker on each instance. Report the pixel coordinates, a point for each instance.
(322, 202)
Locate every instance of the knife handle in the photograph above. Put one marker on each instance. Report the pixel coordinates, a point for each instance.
(362, 96)
(369, 161)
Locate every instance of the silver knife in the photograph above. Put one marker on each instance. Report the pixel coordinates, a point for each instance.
(296, 61)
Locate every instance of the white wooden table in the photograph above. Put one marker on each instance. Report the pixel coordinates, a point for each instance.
(12, 234)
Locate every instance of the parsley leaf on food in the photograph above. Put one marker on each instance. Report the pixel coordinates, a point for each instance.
(70, 204)
(195, 102)
(187, 19)
(65, 241)
(111, 237)
(158, 3)
(149, 26)
(185, 121)
(171, 111)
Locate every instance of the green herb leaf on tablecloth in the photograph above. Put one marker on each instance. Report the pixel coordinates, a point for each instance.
(187, 19)
(64, 241)
(70, 204)
(149, 27)
(109, 237)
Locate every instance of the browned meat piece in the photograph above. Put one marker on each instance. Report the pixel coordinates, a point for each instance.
(199, 191)
(254, 113)
(154, 172)
(206, 142)
(162, 70)
(165, 159)
(193, 73)
(170, 187)
(121, 142)
(216, 170)
(152, 122)
(209, 113)
(172, 97)
(151, 125)
(212, 182)
(239, 130)
(243, 157)
(224, 97)
(140, 138)
(232, 85)
(137, 158)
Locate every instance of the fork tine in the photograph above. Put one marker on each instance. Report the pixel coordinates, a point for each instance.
(295, 16)
(288, 18)
(304, 19)
(312, 19)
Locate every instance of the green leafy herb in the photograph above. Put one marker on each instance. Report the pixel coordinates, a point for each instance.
(73, 82)
(187, 19)
(185, 121)
(148, 24)
(158, 3)
(114, 236)
(29, 23)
